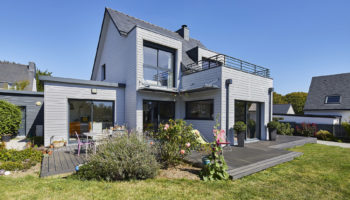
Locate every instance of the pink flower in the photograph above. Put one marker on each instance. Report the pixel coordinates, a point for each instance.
(166, 126)
(222, 131)
(188, 145)
(182, 152)
(151, 143)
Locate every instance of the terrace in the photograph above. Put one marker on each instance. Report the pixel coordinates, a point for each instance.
(226, 61)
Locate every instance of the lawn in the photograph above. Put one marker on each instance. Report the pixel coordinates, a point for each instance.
(323, 172)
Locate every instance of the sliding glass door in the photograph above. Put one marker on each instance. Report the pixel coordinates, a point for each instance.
(249, 113)
(156, 112)
(89, 115)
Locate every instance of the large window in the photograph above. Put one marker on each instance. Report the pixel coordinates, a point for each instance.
(249, 113)
(158, 65)
(89, 115)
(156, 112)
(203, 109)
(335, 99)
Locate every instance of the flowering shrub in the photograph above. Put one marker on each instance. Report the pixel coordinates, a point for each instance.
(216, 169)
(176, 139)
(307, 130)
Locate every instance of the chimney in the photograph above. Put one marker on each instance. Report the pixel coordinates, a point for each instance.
(184, 32)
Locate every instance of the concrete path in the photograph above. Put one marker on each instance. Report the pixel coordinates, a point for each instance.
(337, 144)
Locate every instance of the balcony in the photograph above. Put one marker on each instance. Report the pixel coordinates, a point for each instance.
(227, 61)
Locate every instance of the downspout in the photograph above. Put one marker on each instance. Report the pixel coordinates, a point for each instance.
(228, 82)
(270, 109)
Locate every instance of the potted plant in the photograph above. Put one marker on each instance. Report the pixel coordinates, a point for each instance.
(273, 126)
(240, 128)
(58, 144)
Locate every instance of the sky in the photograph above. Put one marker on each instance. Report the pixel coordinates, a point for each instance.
(295, 39)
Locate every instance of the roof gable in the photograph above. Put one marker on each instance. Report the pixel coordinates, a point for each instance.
(322, 86)
(282, 108)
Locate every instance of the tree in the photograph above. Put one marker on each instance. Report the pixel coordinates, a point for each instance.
(40, 84)
(278, 99)
(297, 99)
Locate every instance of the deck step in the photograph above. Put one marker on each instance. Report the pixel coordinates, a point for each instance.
(294, 143)
(259, 166)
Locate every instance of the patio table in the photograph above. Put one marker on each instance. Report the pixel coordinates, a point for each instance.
(89, 134)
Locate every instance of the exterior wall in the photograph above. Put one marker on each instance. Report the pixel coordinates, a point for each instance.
(205, 53)
(309, 120)
(56, 112)
(34, 113)
(344, 113)
(205, 127)
(245, 87)
(119, 54)
(291, 111)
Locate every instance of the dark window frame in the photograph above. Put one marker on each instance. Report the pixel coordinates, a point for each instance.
(187, 117)
(103, 74)
(326, 99)
(162, 48)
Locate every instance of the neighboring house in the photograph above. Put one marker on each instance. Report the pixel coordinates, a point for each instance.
(12, 73)
(329, 95)
(168, 74)
(286, 109)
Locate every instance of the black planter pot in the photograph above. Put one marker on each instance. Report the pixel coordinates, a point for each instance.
(273, 134)
(240, 139)
(6, 138)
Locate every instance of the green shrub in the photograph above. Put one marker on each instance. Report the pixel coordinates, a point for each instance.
(122, 158)
(176, 140)
(273, 125)
(239, 127)
(10, 118)
(346, 126)
(324, 135)
(18, 160)
(285, 129)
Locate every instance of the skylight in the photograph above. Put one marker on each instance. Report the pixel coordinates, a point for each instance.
(332, 99)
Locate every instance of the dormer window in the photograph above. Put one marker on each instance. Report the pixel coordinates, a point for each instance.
(334, 99)
(158, 65)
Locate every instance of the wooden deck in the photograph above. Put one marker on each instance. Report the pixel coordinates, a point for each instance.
(62, 160)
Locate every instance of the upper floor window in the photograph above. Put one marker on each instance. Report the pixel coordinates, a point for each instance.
(158, 65)
(208, 63)
(103, 72)
(335, 99)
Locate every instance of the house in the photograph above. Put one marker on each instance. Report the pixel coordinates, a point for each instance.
(144, 75)
(286, 109)
(329, 95)
(13, 76)
(18, 86)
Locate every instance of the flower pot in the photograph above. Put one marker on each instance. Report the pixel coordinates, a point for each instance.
(240, 139)
(6, 138)
(273, 134)
(205, 160)
(58, 144)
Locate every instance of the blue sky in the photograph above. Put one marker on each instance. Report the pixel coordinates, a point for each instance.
(296, 39)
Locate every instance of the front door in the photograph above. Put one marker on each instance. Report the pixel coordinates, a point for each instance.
(249, 113)
(156, 112)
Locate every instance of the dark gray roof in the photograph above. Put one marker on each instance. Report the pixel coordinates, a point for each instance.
(17, 92)
(80, 82)
(281, 108)
(322, 86)
(13, 72)
(126, 23)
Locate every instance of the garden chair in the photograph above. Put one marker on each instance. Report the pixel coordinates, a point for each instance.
(83, 143)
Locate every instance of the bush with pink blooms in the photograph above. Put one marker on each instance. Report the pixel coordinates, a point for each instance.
(176, 140)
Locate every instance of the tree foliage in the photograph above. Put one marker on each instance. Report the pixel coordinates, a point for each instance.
(40, 84)
(297, 99)
(10, 118)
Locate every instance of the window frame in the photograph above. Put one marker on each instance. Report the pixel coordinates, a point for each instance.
(103, 73)
(326, 99)
(187, 104)
(158, 48)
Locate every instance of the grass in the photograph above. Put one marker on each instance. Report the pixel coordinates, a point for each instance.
(323, 172)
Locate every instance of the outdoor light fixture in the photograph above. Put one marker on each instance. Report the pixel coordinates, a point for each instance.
(93, 91)
(38, 103)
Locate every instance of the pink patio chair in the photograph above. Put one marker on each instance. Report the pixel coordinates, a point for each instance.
(82, 143)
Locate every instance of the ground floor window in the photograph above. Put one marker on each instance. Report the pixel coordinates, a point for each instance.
(156, 112)
(89, 115)
(200, 110)
(249, 113)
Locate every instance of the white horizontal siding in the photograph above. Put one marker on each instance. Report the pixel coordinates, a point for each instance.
(56, 111)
